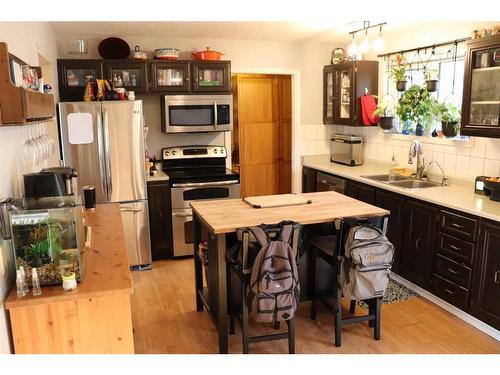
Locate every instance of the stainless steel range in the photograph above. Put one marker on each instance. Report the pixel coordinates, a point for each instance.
(195, 173)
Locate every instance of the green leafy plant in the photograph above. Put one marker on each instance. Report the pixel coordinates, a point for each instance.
(417, 106)
(384, 108)
(45, 242)
(398, 72)
(448, 113)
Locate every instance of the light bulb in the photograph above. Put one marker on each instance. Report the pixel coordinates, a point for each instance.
(378, 43)
(352, 49)
(365, 45)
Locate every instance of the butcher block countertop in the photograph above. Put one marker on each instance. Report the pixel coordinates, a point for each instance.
(225, 216)
(106, 267)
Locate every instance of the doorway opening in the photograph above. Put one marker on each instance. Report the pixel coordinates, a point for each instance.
(262, 133)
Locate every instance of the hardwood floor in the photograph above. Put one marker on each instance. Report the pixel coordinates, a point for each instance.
(165, 321)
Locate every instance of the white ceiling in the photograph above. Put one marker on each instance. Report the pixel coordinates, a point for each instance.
(272, 31)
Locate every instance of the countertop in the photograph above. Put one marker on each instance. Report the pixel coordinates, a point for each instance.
(456, 197)
(106, 266)
(225, 216)
(160, 176)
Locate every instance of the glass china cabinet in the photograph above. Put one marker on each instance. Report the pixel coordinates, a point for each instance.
(73, 77)
(131, 75)
(170, 76)
(211, 76)
(481, 97)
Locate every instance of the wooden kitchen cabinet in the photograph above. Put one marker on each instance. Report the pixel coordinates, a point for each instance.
(481, 96)
(308, 180)
(160, 220)
(396, 205)
(343, 86)
(170, 76)
(131, 73)
(361, 192)
(486, 293)
(418, 252)
(73, 75)
(211, 76)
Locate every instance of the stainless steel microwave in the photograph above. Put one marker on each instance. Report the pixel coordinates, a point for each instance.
(196, 113)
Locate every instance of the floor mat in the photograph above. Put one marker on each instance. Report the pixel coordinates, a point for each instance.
(395, 292)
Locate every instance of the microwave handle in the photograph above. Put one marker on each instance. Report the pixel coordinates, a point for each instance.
(216, 120)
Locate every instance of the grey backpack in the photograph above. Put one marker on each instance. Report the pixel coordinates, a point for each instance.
(273, 292)
(366, 265)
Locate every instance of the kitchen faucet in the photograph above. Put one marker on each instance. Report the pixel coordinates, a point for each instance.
(416, 151)
(444, 180)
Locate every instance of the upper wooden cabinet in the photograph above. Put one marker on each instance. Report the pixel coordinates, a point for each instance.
(146, 76)
(481, 95)
(19, 105)
(343, 86)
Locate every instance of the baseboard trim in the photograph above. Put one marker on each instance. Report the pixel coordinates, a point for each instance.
(489, 330)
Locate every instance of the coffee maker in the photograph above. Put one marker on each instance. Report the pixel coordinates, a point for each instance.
(51, 182)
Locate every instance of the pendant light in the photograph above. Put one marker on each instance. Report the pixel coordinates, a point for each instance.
(365, 44)
(378, 42)
(353, 48)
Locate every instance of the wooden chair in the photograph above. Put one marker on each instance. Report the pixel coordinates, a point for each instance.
(330, 248)
(237, 302)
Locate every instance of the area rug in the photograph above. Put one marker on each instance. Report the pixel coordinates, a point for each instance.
(395, 293)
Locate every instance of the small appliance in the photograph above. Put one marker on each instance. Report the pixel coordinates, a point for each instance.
(346, 149)
(196, 113)
(50, 182)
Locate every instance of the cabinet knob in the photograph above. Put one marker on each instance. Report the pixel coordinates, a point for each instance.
(417, 243)
(497, 278)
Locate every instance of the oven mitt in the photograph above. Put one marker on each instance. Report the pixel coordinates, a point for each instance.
(368, 106)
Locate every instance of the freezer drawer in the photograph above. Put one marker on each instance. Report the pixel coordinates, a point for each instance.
(135, 220)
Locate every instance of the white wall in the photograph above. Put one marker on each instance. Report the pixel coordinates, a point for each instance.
(27, 41)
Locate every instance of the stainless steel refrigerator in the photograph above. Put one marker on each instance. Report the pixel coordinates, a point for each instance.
(104, 141)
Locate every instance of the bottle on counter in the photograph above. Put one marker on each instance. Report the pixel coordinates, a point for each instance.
(25, 282)
(19, 285)
(153, 170)
(35, 283)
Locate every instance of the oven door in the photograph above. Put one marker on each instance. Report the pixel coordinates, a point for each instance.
(184, 193)
(183, 232)
(197, 113)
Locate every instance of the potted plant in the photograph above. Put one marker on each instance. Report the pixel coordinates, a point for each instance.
(398, 73)
(431, 83)
(449, 115)
(418, 107)
(385, 110)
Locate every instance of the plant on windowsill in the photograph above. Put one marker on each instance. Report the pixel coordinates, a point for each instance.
(450, 117)
(417, 106)
(385, 110)
(430, 81)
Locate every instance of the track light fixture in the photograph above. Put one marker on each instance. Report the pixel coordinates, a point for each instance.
(378, 42)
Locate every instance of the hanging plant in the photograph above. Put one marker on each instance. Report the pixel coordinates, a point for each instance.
(385, 110)
(430, 81)
(398, 73)
(417, 106)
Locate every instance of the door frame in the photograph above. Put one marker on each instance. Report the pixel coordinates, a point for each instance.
(296, 115)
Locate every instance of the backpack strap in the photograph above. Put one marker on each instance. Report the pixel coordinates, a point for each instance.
(259, 234)
(286, 232)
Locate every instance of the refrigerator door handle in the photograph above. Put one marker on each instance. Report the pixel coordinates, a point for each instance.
(109, 184)
(100, 151)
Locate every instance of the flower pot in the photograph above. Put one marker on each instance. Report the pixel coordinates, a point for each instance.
(449, 129)
(419, 130)
(432, 85)
(386, 123)
(401, 85)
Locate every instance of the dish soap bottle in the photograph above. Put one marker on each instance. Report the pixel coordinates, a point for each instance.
(35, 283)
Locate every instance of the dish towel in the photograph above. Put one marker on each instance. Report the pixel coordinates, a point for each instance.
(368, 106)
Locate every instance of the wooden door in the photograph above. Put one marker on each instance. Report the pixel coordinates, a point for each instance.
(486, 300)
(418, 254)
(264, 140)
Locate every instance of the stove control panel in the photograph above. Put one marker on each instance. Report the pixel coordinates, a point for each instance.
(193, 152)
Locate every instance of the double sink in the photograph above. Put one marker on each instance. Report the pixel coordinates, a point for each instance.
(402, 181)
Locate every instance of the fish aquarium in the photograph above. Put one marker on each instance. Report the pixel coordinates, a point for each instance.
(48, 233)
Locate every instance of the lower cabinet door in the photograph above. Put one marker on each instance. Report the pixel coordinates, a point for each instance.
(486, 299)
(160, 219)
(395, 204)
(418, 252)
(361, 192)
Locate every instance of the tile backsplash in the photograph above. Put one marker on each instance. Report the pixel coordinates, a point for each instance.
(465, 159)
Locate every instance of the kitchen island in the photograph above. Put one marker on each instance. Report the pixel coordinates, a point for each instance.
(93, 318)
(224, 217)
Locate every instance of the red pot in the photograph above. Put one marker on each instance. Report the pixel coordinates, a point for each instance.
(207, 55)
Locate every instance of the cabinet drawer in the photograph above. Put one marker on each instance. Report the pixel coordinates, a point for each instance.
(453, 271)
(450, 292)
(454, 248)
(458, 225)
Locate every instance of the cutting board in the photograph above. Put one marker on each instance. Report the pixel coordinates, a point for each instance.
(280, 200)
